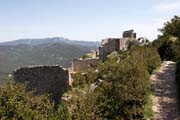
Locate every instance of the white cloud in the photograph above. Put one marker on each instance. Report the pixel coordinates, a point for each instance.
(167, 6)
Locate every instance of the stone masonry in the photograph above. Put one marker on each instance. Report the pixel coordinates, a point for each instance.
(44, 79)
(110, 45)
(129, 34)
(82, 64)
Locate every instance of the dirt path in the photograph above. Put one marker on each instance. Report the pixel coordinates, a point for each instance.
(165, 104)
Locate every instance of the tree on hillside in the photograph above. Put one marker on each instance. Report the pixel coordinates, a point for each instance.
(169, 43)
(172, 27)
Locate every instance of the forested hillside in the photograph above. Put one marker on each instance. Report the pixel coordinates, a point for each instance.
(15, 56)
(40, 41)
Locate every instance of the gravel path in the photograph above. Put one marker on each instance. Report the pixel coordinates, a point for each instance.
(165, 105)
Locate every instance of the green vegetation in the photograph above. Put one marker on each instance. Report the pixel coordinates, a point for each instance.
(86, 56)
(156, 70)
(117, 89)
(168, 44)
(17, 104)
(148, 112)
(149, 56)
(122, 87)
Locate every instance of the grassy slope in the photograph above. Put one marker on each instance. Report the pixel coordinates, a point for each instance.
(148, 106)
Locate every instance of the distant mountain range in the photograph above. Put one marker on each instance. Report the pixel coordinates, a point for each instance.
(48, 51)
(34, 42)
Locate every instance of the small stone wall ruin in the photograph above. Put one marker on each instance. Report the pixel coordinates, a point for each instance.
(44, 79)
(82, 64)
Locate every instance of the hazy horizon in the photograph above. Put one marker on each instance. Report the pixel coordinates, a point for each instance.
(89, 20)
(40, 38)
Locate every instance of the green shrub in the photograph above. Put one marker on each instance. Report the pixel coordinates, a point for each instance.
(86, 56)
(82, 78)
(148, 55)
(123, 90)
(18, 104)
(168, 44)
(168, 47)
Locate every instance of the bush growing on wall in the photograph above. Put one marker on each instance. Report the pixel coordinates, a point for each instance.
(87, 77)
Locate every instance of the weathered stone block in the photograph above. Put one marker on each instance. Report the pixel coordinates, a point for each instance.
(44, 79)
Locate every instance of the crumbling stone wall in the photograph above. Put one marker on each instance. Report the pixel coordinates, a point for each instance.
(110, 45)
(124, 43)
(44, 79)
(129, 34)
(81, 64)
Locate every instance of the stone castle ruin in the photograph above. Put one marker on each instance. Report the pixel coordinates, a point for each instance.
(129, 34)
(80, 64)
(110, 45)
(55, 79)
(44, 79)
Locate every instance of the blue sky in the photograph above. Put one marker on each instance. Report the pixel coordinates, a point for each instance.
(83, 19)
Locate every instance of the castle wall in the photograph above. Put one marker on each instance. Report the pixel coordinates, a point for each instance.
(79, 64)
(108, 45)
(124, 43)
(129, 34)
(44, 79)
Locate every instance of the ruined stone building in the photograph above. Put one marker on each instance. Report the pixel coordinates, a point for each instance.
(82, 64)
(142, 41)
(79, 64)
(94, 54)
(114, 44)
(129, 34)
(55, 79)
(44, 79)
(110, 45)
